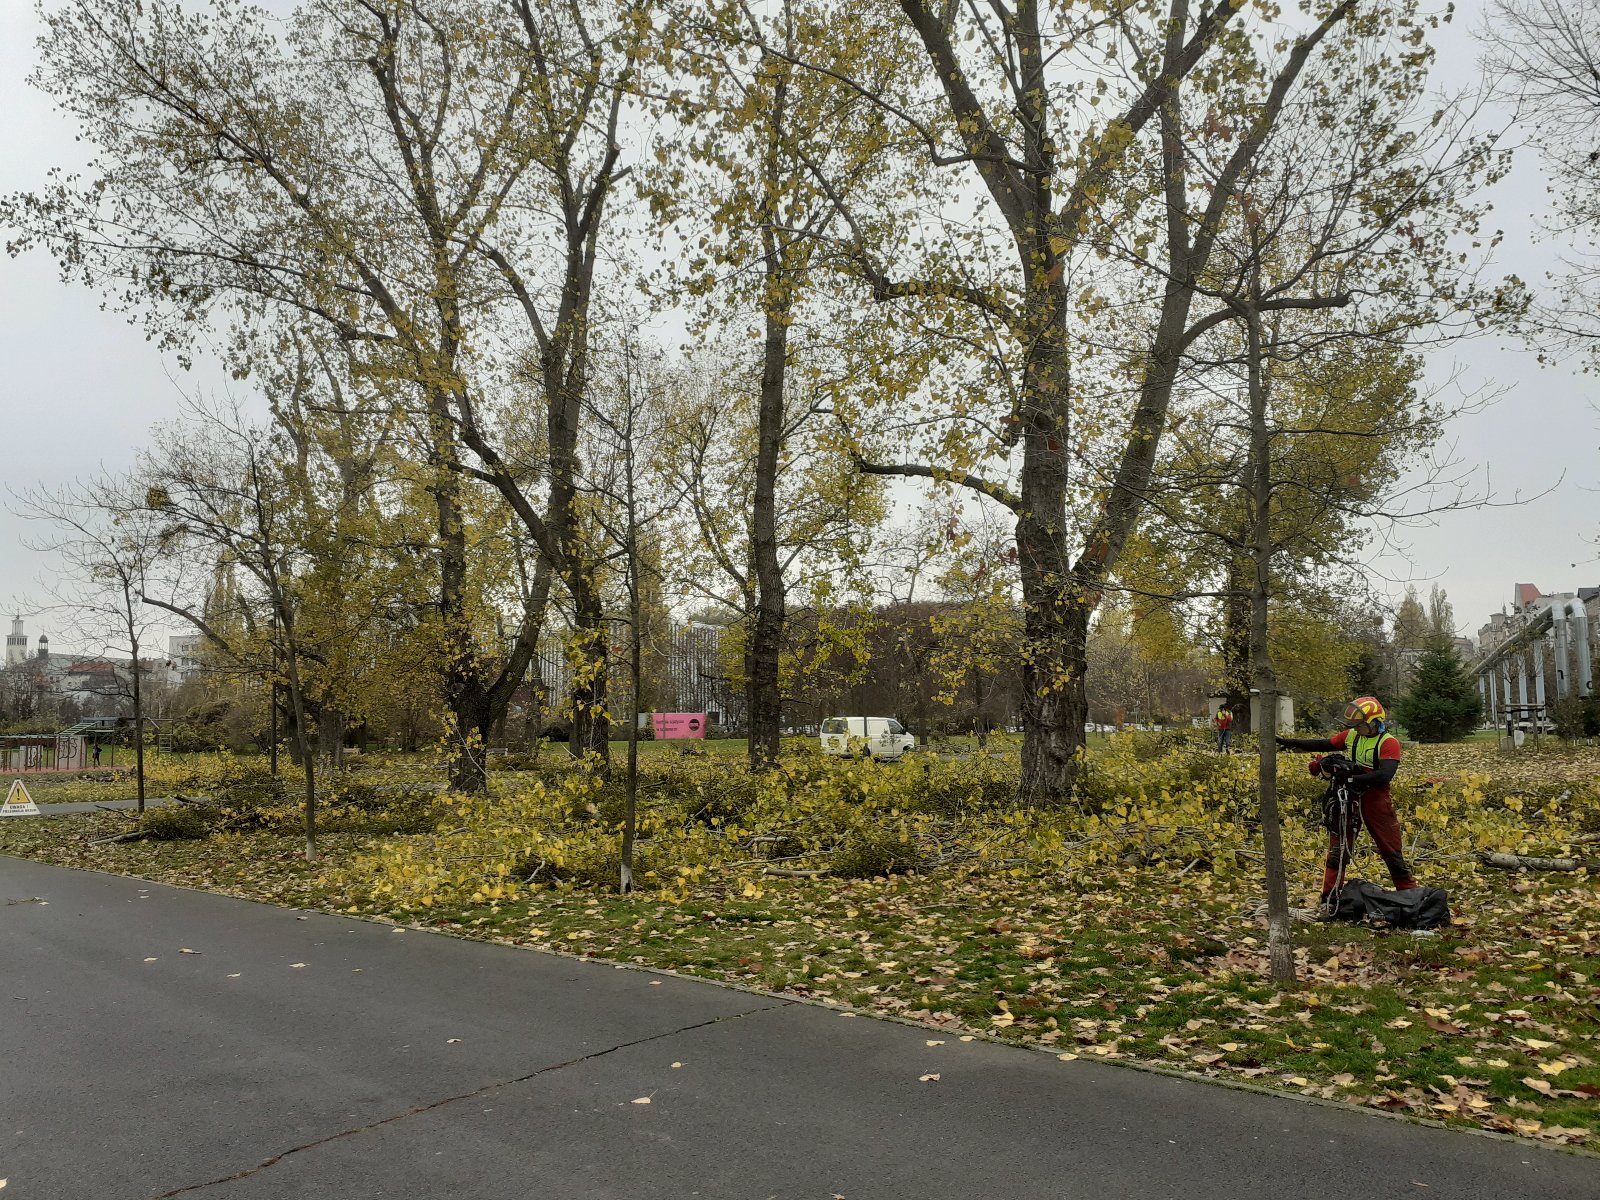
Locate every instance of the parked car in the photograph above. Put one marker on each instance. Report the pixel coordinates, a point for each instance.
(882, 738)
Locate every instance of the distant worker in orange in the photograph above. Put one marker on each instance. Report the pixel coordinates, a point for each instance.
(1373, 756)
(1224, 724)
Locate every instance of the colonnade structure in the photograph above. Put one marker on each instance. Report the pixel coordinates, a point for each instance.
(1546, 654)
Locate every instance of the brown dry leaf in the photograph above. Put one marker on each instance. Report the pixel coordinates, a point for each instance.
(642, 1100)
(1442, 1026)
(1538, 1085)
(1564, 1134)
(931, 1077)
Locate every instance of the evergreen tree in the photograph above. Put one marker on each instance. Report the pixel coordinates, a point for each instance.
(1443, 704)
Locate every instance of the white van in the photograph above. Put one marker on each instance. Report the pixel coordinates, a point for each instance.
(880, 737)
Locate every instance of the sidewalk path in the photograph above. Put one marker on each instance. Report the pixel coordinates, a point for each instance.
(57, 810)
(159, 1043)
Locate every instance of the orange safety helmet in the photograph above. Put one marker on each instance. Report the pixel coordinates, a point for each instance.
(1364, 709)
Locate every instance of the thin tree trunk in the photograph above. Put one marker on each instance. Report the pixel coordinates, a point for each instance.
(1280, 936)
(630, 812)
(138, 703)
(591, 726)
(308, 761)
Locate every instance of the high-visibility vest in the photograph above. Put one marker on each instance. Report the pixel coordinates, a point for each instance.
(1364, 751)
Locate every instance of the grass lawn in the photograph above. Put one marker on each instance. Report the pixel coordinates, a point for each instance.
(1495, 1023)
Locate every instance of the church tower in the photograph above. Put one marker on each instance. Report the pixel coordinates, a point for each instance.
(16, 643)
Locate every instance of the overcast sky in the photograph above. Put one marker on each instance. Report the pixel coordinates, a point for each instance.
(81, 387)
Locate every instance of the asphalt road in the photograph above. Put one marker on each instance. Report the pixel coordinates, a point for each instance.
(305, 1056)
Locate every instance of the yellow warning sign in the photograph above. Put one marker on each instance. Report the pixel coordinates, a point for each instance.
(18, 802)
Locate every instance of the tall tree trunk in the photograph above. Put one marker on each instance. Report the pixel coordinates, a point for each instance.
(762, 697)
(1280, 935)
(1055, 617)
(463, 685)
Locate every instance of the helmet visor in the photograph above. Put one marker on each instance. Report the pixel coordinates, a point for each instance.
(1356, 714)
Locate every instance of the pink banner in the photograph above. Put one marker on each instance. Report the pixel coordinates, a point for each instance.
(678, 725)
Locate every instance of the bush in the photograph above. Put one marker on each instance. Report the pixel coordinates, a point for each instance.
(177, 823)
(1576, 717)
(870, 852)
(355, 807)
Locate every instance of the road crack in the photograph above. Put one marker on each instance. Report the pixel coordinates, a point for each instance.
(416, 1110)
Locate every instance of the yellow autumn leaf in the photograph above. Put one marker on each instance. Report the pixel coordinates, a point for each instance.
(1553, 1068)
(1539, 1085)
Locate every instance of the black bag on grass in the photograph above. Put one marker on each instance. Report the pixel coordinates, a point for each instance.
(1415, 908)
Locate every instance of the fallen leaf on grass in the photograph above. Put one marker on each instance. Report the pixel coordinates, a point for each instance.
(1538, 1085)
(1443, 1026)
(1553, 1068)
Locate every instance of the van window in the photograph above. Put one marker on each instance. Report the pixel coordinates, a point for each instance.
(896, 727)
(834, 725)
